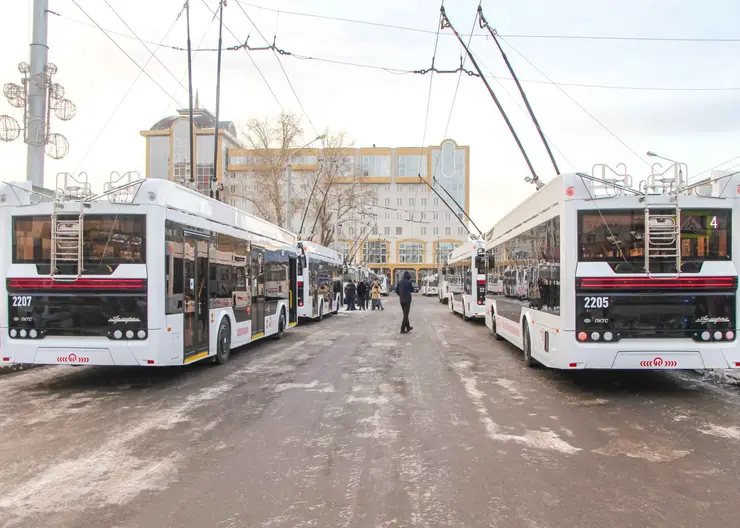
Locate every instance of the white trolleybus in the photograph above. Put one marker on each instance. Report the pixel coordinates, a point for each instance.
(466, 280)
(429, 285)
(319, 281)
(598, 273)
(385, 289)
(147, 273)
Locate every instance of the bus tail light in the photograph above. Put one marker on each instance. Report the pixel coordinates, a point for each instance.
(300, 303)
(582, 336)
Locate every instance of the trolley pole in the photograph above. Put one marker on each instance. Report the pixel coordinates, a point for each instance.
(37, 118)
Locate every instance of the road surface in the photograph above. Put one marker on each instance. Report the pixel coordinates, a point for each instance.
(348, 423)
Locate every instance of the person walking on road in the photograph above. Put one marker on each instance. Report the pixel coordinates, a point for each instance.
(404, 289)
(361, 294)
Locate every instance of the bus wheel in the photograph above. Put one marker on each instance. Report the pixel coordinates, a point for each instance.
(528, 347)
(321, 311)
(495, 334)
(464, 316)
(223, 342)
(281, 326)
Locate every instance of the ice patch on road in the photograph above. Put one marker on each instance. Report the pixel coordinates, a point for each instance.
(510, 387)
(313, 386)
(543, 439)
(652, 453)
(732, 432)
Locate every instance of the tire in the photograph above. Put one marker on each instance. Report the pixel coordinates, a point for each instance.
(281, 326)
(223, 342)
(321, 311)
(531, 363)
(494, 333)
(464, 316)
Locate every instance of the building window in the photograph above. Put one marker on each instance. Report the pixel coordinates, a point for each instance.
(444, 249)
(436, 231)
(423, 230)
(342, 248)
(399, 201)
(460, 230)
(412, 201)
(411, 216)
(398, 215)
(376, 165)
(386, 230)
(411, 252)
(387, 216)
(435, 201)
(447, 230)
(375, 252)
(412, 165)
(387, 201)
(399, 230)
(424, 202)
(447, 216)
(436, 216)
(423, 216)
(375, 229)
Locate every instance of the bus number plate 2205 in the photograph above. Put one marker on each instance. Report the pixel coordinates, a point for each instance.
(21, 300)
(596, 302)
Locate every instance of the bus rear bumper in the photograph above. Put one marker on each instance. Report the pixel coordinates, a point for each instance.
(84, 351)
(649, 354)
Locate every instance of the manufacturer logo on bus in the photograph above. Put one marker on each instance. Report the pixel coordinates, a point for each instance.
(117, 319)
(705, 319)
(659, 362)
(73, 358)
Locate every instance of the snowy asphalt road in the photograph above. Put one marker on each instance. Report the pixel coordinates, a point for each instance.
(348, 423)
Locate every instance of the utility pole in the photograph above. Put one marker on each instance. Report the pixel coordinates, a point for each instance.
(216, 150)
(37, 118)
(190, 97)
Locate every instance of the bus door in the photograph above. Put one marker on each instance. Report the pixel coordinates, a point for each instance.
(257, 277)
(195, 331)
(293, 271)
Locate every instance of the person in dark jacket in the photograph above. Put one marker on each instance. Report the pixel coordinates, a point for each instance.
(404, 289)
(361, 294)
(351, 292)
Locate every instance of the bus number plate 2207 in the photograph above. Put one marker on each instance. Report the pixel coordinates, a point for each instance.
(21, 300)
(596, 302)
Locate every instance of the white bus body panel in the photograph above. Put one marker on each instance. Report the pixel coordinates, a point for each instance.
(158, 200)
(565, 351)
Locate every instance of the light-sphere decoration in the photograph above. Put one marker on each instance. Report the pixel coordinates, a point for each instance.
(24, 68)
(10, 129)
(65, 109)
(56, 91)
(57, 146)
(51, 68)
(18, 102)
(12, 91)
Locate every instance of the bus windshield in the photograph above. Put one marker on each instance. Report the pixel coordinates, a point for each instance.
(618, 235)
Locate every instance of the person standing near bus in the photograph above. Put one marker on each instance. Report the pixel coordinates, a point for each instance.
(375, 294)
(362, 293)
(404, 289)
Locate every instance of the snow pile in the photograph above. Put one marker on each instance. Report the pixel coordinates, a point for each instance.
(721, 376)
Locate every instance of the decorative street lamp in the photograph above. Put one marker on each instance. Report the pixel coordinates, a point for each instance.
(37, 131)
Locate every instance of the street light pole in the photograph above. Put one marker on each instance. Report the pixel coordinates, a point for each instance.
(37, 95)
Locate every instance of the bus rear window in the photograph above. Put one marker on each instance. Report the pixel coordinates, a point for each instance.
(619, 234)
(107, 239)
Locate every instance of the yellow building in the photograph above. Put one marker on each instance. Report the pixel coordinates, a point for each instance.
(403, 227)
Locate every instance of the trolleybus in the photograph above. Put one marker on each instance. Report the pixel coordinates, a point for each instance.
(319, 281)
(606, 275)
(466, 280)
(429, 285)
(147, 273)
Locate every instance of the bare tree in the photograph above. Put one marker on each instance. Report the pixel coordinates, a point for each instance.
(330, 202)
(273, 142)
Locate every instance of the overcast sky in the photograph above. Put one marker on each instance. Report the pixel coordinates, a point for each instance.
(700, 127)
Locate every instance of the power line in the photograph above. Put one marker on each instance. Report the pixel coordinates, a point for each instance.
(717, 166)
(125, 95)
(125, 53)
(280, 63)
(522, 36)
(578, 104)
(250, 58)
(403, 71)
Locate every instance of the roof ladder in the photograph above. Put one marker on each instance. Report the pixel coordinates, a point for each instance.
(663, 236)
(67, 226)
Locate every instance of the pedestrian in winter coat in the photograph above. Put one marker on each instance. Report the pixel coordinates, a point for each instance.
(351, 295)
(375, 293)
(404, 289)
(361, 293)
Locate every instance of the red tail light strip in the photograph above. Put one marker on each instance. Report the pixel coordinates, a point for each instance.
(646, 283)
(79, 284)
